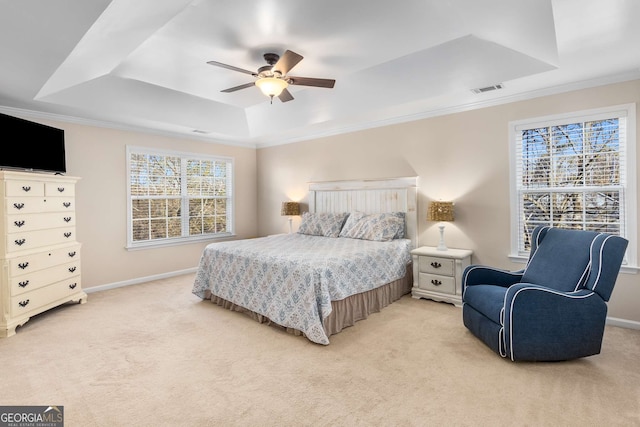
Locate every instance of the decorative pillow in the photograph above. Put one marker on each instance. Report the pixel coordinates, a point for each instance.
(322, 223)
(381, 227)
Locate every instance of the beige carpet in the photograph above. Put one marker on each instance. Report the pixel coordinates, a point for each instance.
(155, 355)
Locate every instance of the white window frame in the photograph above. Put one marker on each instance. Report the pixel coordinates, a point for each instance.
(185, 238)
(628, 211)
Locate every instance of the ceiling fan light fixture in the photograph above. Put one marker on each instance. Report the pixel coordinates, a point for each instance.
(271, 86)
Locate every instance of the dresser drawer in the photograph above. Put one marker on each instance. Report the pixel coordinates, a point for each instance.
(30, 301)
(36, 239)
(39, 221)
(24, 188)
(434, 282)
(435, 265)
(41, 260)
(59, 189)
(38, 279)
(23, 205)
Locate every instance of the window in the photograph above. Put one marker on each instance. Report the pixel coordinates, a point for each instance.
(574, 171)
(175, 197)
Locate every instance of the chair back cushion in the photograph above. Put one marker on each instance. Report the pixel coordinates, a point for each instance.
(560, 258)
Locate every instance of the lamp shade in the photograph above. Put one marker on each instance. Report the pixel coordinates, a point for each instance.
(271, 86)
(290, 208)
(440, 211)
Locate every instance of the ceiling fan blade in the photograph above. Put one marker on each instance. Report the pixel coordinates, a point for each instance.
(287, 61)
(235, 88)
(285, 96)
(231, 67)
(309, 81)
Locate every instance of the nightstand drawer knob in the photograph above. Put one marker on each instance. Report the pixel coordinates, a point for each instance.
(436, 282)
(436, 264)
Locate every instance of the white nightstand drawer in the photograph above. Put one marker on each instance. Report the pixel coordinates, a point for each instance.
(434, 282)
(435, 265)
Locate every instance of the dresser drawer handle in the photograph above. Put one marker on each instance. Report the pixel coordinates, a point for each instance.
(23, 303)
(73, 285)
(20, 242)
(72, 269)
(66, 204)
(26, 188)
(72, 254)
(67, 218)
(23, 265)
(23, 284)
(67, 234)
(61, 189)
(18, 205)
(436, 264)
(436, 282)
(18, 223)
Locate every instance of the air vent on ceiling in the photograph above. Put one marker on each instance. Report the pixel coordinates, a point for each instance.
(487, 89)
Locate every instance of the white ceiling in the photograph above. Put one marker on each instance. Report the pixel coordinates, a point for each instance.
(143, 64)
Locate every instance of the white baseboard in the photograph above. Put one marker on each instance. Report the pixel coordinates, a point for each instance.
(623, 323)
(139, 280)
(613, 321)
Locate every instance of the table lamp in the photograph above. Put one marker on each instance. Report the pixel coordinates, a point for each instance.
(440, 211)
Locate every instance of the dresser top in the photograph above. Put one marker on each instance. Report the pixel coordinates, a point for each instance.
(36, 176)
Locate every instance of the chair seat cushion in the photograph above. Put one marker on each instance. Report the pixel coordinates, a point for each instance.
(486, 299)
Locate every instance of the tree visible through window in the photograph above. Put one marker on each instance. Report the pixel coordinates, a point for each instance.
(571, 174)
(178, 196)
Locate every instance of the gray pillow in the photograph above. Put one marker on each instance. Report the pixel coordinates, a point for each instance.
(322, 223)
(380, 227)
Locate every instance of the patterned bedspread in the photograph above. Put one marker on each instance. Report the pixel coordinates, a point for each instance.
(292, 278)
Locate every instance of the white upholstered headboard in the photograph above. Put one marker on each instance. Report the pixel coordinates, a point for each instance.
(369, 196)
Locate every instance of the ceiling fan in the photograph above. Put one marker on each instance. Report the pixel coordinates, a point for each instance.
(273, 79)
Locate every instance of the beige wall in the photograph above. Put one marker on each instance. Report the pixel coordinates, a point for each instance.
(97, 155)
(462, 157)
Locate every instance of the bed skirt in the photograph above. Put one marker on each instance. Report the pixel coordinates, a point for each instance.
(345, 312)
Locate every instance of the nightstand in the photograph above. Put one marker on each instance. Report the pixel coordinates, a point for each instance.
(437, 275)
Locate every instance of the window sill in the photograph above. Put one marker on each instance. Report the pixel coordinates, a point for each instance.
(178, 242)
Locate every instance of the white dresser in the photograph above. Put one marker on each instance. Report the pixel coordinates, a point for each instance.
(437, 275)
(39, 253)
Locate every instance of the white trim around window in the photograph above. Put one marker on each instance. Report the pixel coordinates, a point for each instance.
(628, 209)
(177, 197)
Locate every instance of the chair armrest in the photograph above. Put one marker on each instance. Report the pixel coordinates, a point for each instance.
(542, 323)
(483, 275)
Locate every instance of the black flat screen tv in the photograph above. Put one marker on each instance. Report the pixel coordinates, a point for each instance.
(31, 146)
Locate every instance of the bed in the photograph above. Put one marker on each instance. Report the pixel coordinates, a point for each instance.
(349, 258)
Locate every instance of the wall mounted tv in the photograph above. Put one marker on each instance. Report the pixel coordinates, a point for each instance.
(31, 146)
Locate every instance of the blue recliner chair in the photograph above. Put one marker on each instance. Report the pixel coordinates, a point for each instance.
(555, 309)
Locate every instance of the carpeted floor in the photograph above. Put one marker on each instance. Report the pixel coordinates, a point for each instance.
(153, 354)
